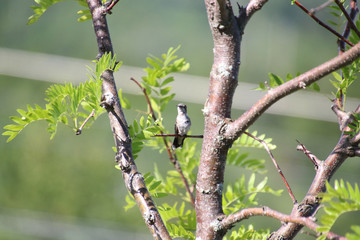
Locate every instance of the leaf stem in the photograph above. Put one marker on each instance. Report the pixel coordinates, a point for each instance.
(92, 114)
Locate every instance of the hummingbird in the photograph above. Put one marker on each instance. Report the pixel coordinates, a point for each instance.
(182, 126)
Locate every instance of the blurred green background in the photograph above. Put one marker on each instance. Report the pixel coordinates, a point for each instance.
(68, 188)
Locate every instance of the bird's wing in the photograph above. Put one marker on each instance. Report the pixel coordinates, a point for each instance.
(176, 129)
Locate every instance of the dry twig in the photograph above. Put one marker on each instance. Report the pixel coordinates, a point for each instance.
(275, 163)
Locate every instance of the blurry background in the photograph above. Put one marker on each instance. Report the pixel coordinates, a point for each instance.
(68, 188)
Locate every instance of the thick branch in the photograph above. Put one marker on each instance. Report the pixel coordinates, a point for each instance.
(226, 32)
(234, 129)
(254, 6)
(110, 101)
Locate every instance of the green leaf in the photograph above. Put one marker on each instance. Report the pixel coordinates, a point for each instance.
(39, 10)
(167, 81)
(84, 18)
(125, 103)
(337, 200)
(247, 233)
(165, 91)
(275, 80)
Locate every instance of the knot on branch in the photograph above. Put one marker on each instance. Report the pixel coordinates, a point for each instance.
(241, 19)
(276, 236)
(217, 224)
(123, 159)
(107, 101)
(149, 217)
(219, 188)
(307, 207)
(136, 183)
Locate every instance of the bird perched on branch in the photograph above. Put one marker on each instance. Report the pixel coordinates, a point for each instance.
(182, 126)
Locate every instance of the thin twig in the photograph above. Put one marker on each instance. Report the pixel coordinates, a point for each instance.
(322, 23)
(172, 154)
(349, 18)
(147, 98)
(343, 117)
(353, 11)
(341, 44)
(275, 163)
(177, 135)
(111, 5)
(92, 114)
(321, 7)
(309, 154)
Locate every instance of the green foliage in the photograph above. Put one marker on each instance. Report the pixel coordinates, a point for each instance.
(248, 233)
(31, 115)
(343, 82)
(172, 184)
(237, 156)
(43, 5)
(355, 235)
(242, 194)
(106, 62)
(180, 220)
(354, 125)
(184, 219)
(157, 79)
(67, 104)
(339, 200)
(85, 15)
(39, 10)
(179, 217)
(338, 14)
(275, 81)
(349, 73)
(142, 130)
(354, 38)
(179, 231)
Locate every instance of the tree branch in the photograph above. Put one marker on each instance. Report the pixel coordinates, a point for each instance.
(311, 201)
(349, 18)
(236, 128)
(177, 135)
(321, 7)
(309, 154)
(321, 23)
(134, 181)
(226, 31)
(243, 214)
(254, 6)
(353, 11)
